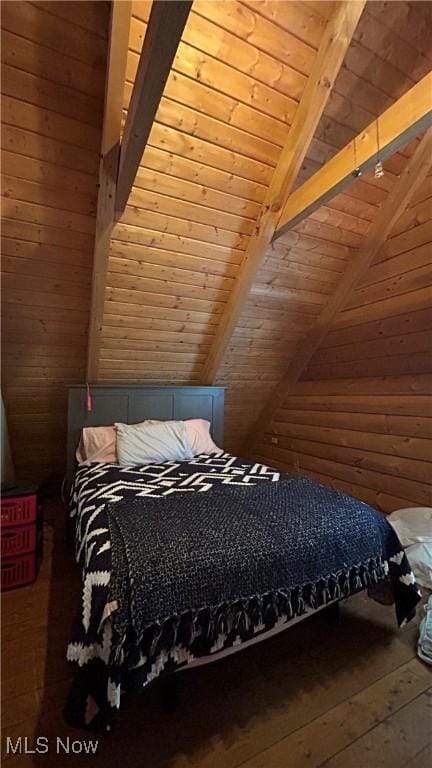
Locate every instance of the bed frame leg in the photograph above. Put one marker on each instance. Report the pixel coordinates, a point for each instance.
(332, 613)
(170, 696)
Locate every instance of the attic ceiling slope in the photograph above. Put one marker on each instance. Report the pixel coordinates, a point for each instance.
(209, 160)
(240, 71)
(165, 27)
(52, 85)
(120, 158)
(403, 120)
(299, 273)
(411, 179)
(108, 168)
(333, 46)
(359, 418)
(301, 269)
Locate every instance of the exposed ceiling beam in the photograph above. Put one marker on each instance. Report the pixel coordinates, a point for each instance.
(398, 199)
(405, 119)
(164, 30)
(108, 168)
(335, 41)
(118, 165)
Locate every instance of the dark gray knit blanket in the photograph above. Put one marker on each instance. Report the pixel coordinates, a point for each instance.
(188, 569)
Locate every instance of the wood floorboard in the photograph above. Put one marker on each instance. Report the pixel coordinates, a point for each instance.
(394, 741)
(422, 759)
(339, 727)
(350, 696)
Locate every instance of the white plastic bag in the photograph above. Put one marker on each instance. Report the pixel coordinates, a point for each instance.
(414, 529)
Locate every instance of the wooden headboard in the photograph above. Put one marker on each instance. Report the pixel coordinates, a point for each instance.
(130, 403)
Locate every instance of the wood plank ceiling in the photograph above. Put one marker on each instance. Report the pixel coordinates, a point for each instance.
(237, 79)
(404, 190)
(210, 158)
(53, 68)
(360, 418)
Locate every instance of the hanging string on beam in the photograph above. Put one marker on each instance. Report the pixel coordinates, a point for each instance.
(378, 169)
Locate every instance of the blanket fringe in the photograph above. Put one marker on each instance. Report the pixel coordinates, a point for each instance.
(243, 617)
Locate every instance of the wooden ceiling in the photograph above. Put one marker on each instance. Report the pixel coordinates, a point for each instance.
(232, 94)
(360, 417)
(52, 85)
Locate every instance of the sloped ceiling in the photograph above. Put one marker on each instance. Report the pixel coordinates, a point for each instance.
(360, 417)
(299, 275)
(53, 70)
(239, 73)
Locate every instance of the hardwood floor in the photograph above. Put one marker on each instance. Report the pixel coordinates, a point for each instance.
(350, 696)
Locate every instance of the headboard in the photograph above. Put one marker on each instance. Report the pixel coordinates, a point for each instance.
(130, 403)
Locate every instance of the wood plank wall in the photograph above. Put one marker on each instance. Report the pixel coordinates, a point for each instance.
(389, 53)
(240, 71)
(391, 50)
(361, 418)
(231, 96)
(218, 133)
(53, 72)
(299, 275)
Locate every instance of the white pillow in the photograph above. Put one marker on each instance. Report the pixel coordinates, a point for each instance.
(152, 443)
(198, 432)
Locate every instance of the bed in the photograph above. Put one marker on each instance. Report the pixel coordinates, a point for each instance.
(184, 562)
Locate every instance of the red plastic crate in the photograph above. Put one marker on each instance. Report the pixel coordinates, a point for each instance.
(18, 571)
(18, 541)
(18, 510)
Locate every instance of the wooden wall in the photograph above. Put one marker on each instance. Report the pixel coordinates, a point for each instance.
(361, 418)
(237, 79)
(239, 74)
(53, 72)
(218, 133)
(297, 278)
(389, 53)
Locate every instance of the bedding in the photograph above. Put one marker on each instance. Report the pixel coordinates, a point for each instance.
(182, 560)
(97, 444)
(152, 443)
(200, 439)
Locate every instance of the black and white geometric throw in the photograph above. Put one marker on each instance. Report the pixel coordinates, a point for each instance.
(98, 485)
(184, 559)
